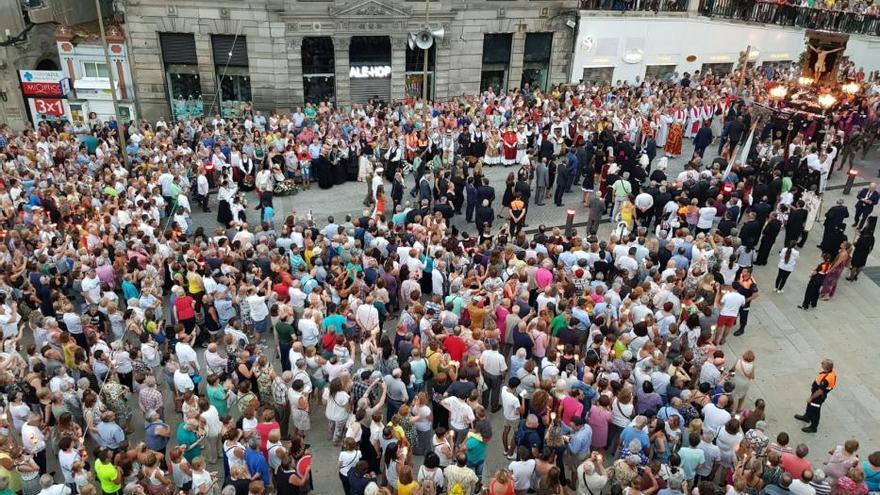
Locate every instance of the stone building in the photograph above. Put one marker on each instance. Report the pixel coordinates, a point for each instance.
(210, 57)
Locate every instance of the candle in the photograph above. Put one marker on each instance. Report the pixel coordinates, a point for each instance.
(552, 416)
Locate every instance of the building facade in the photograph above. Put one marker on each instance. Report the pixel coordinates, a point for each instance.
(210, 57)
(611, 48)
(81, 54)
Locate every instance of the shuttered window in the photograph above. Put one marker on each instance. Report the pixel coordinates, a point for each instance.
(178, 48)
(230, 47)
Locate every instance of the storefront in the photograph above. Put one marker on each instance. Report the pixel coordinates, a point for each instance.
(45, 92)
(182, 80)
(318, 68)
(496, 61)
(536, 60)
(93, 94)
(415, 71)
(370, 71)
(232, 72)
(599, 74)
(663, 72)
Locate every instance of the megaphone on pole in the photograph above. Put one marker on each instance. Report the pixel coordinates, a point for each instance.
(424, 39)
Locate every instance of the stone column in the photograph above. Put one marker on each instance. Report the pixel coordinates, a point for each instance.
(693, 7)
(342, 65)
(514, 74)
(294, 68)
(398, 67)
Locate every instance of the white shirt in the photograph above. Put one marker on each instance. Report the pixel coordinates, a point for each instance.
(183, 382)
(259, 311)
(707, 216)
(212, 421)
(714, 418)
(32, 439)
(509, 404)
(460, 414)
(493, 363)
(202, 185)
(187, 355)
(731, 302)
(65, 462)
(792, 260)
(522, 474)
(92, 288)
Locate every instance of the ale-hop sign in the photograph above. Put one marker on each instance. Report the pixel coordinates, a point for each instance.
(370, 72)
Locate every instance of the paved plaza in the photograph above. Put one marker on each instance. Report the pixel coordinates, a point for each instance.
(788, 342)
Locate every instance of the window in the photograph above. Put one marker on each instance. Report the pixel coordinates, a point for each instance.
(536, 60)
(663, 72)
(415, 68)
(233, 74)
(717, 69)
(182, 75)
(95, 69)
(597, 75)
(319, 64)
(496, 61)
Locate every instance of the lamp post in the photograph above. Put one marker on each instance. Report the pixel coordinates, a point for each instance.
(569, 222)
(123, 137)
(427, 54)
(850, 178)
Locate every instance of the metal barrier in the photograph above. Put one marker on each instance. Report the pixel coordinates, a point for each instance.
(780, 14)
(783, 14)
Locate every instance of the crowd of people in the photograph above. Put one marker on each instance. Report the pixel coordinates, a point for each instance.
(602, 357)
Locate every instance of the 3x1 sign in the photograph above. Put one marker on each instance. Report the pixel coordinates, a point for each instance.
(49, 106)
(41, 89)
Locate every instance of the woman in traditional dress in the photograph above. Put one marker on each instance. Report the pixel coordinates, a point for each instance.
(841, 261)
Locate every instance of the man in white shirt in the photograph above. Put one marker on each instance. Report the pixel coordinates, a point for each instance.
(33, 441)
(730, 304)
(186, 355)
(715, 417)
(707, 217)
(494, 366)
(49, 487)
(461, 416)
(203, 189)
(91, 287)
(182, 380)
(512, 410)
(308, 329)
(522, 472)
(367, 316)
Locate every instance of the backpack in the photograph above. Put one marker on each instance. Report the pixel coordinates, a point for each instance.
(429, 487)
(456, 489)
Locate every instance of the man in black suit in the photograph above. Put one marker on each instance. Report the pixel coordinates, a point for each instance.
(561, 181)
(794, 227)
(834, 217)
(485, 192)
(750, 231)
(484, 215)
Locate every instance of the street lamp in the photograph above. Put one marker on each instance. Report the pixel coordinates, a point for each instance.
(778, 92)
(569, 222)
(850, 178)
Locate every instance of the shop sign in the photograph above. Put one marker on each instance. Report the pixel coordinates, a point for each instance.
(370, 72)
(49, 106)
(40, 76)
(41, 89)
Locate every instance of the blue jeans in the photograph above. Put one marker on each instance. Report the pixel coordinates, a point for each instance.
(478, 468)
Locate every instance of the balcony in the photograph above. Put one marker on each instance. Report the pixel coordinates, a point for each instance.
(655, 6)
(793, 16)
(780, 14)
